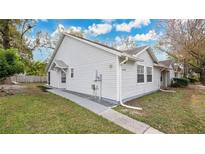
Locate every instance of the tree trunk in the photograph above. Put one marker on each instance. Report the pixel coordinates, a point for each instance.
(202, 74)
(5, 34)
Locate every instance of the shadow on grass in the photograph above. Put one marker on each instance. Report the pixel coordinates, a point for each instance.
(43, 88)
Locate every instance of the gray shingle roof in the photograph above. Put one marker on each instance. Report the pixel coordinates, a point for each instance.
(135, 50)
(61, 64)
(166, 63)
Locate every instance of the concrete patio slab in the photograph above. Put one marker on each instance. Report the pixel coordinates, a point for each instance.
(108, 113)
(88, 104)
(125, 121)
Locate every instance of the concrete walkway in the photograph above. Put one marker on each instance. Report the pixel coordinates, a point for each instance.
(108, 113)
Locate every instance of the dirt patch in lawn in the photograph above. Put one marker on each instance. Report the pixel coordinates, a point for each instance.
(7, 89)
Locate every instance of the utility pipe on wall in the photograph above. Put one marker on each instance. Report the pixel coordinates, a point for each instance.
(121, 103)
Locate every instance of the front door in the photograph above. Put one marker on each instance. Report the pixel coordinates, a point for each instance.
(163, 79)
(62, 79)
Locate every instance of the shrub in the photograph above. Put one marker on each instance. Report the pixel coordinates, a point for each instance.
(192, 80)
(10, 63)
(180, 82)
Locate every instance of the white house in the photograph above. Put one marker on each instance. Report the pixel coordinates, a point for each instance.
(86, 67)
(174, 71)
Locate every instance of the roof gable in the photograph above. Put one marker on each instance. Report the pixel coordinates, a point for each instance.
(138, 50)
(131, 54)
(166, 63)
(149, 51)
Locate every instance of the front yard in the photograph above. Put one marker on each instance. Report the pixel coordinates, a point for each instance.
(180, 112)
(33, 110)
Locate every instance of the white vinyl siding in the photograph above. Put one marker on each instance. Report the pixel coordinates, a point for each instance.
(130, 87)
(86, 59)
(140, 74)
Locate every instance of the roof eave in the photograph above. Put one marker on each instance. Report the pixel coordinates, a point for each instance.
(161, 66)
(55, 51)
(132, 58)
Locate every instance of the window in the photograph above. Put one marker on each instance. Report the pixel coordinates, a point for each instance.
(140, 74)
(149, 74)
(63, 77)
(72, 72)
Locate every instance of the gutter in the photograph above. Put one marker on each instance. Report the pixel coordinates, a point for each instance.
(120, 87)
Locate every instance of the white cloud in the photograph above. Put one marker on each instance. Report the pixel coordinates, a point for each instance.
(151, 35)
(60, 28)
(98, 29)
(74, 29)
(127, 27)
(122, 43)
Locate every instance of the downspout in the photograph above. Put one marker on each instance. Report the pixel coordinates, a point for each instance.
(120, 87)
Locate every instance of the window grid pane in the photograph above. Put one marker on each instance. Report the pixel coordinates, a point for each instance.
(149, 74)
(140, 73)
(63, 77)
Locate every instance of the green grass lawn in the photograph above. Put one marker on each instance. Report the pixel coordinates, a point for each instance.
(37, 111)
(180, 112)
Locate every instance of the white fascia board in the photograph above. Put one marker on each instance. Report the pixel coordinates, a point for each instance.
(151, 54)
(161, 66)
(133, 58)
(142, 51)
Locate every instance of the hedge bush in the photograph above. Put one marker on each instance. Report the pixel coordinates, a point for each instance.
(180, 82)
(192, 80)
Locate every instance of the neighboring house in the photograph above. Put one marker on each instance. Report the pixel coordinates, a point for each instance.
(175, 71)
(83, 66)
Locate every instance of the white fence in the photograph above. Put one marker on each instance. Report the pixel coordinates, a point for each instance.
(29, 78)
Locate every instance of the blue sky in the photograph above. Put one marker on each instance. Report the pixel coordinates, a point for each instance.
(142, 31)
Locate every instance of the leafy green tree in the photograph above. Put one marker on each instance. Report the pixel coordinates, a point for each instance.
(10, 63)
(36, 68)
(16, 33)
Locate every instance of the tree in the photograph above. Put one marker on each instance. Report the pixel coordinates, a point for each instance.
(17, 34)
(124, 43)
(10, 63)
(185, 41)
(36, 68)
(4, 29)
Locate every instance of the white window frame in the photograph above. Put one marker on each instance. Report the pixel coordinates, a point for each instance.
(147, 74)
(141, 74)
